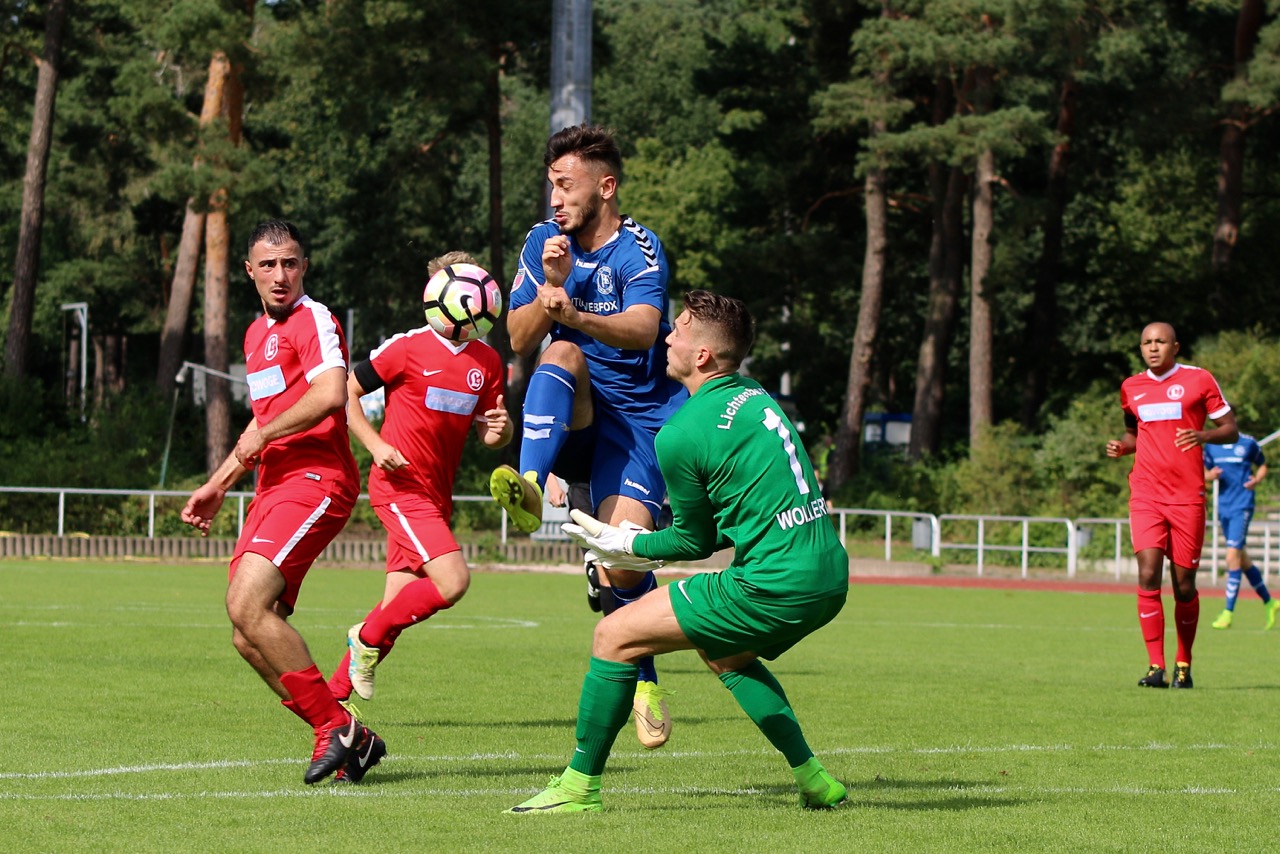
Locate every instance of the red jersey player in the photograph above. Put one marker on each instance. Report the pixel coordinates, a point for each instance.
(1165, 408)
(436, 392)
(296, 365)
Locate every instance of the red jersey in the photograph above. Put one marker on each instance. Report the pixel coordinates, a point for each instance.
(435, 391)
(281, 359)
(1182, 398)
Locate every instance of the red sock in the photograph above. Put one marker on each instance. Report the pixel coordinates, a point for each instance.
(414, 603)
(1186, 618)
(1151, 621)
(311, 699)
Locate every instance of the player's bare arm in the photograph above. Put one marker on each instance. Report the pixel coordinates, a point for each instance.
(1125, 445)
(636, 328)
(385, 456)
(494, 428)
(527, 326)
(326, 395)
(206, 500)
(1224, 432)
(1259, 475)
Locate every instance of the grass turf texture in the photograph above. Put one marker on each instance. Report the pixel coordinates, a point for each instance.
(960, 720)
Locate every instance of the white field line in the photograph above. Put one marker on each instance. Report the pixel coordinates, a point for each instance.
(435, 761)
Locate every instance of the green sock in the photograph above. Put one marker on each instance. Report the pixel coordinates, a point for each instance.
(808, 772)
(579, 783)
(764, 701)
(607, 692)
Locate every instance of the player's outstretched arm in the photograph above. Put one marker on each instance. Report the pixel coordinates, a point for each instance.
(206, 500)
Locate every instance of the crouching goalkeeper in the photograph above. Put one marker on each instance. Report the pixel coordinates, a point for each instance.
(735, 475)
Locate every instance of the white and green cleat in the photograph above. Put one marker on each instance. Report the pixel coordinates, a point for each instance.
(1272, 607)
(561, 796)
(653, 720)
(1223, 621)
(364, 659)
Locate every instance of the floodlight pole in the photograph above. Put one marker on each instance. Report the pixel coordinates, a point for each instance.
(180, 379)
(82, 314)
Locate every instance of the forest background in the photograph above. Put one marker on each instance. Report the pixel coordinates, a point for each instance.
(956, 210)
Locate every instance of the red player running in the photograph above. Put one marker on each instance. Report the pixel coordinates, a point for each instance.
(296, 367)
(437, 391)
(1165, 408)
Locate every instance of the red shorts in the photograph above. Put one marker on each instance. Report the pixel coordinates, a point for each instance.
(290, 525)
(416, 532)
(1175, 529)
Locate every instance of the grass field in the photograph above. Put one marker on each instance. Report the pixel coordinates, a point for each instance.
(961, 720)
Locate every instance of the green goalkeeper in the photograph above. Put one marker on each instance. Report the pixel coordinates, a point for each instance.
(736, 475)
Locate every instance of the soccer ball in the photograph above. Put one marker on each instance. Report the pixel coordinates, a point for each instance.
(462, 302)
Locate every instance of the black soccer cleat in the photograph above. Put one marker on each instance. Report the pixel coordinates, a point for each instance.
(372, 749)
(334, 746)
(1154, 678)
(1182, 675)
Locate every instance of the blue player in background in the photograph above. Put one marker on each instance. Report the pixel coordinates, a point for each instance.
(1233, 467)
(596, 282)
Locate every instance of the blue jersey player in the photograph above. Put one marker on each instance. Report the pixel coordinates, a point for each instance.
(1233, 466)
(596, 282)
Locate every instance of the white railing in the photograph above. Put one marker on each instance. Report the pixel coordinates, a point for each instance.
(1025, 549)
(241, 499)
(927, 529)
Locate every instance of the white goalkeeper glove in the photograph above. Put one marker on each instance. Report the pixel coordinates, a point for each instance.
(611, 544)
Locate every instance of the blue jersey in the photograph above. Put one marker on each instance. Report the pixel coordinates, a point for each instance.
(1236, 461)
(630, 269)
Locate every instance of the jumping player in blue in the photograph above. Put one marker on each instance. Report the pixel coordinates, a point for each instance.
(596, 282)
(1233, 467)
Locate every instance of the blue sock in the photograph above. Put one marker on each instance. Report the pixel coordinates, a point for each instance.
(627, 595)
(548, 411)
(1233, 588)
(1255, 578)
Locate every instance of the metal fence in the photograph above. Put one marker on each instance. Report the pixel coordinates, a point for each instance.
(933, 535)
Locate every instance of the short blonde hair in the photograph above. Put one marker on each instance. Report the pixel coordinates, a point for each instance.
(448, 259)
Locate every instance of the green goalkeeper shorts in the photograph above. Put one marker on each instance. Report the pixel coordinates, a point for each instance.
(724, 617)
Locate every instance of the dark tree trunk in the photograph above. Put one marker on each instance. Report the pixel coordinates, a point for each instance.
(1231, 150)
(26, 266)
(1040, 345)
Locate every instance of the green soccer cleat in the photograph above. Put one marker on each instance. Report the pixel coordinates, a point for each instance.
(1272, 607)
(653, 721)
(364, 659)
(1223, 621)
(520, 496)
(557, 798)
(818, 789)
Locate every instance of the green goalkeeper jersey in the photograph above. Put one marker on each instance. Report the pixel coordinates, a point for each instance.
(737, 475)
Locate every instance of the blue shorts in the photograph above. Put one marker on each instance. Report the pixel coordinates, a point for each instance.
(1235, 527)
(616, 457)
